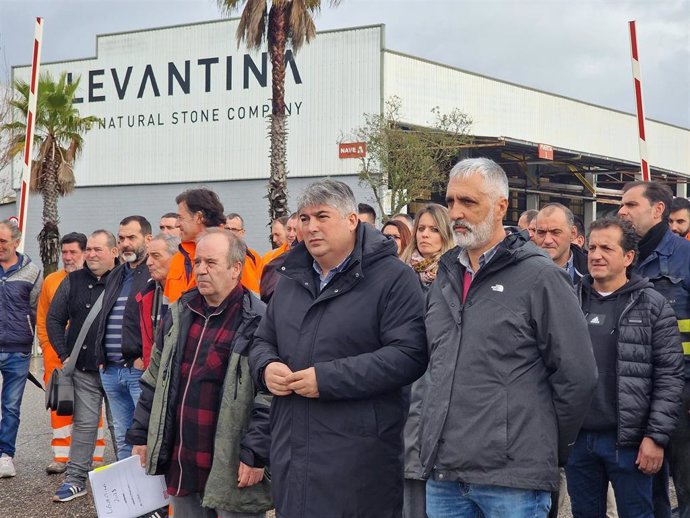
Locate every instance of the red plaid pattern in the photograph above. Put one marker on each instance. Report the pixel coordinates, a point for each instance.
(202, 373)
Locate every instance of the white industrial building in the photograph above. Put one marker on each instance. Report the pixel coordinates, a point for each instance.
(182, 106)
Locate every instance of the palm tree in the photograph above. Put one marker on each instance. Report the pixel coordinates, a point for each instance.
(289, 21)
(58, 136)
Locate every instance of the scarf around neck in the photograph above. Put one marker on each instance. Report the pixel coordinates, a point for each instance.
(651, 239)
(425, 268)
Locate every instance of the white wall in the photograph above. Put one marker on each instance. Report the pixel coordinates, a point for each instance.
(502, 109)
(339, 81)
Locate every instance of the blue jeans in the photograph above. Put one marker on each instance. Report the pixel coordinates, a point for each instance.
(121, 386)
(595, 461)
(14, 368)
(460, 500)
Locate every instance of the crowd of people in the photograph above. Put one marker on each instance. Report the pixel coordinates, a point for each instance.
(444, 366)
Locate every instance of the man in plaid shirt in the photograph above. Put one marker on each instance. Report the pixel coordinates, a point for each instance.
(199, 419)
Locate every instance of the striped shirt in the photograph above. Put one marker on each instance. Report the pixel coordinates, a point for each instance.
(113, 329)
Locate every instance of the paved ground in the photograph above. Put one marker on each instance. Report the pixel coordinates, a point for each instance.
(28, 495)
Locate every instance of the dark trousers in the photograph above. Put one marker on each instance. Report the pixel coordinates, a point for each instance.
(596, 460)
(677, 464)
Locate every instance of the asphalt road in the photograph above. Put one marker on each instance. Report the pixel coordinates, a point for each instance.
(28, 495)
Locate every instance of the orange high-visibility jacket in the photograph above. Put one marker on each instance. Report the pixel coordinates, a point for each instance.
(272, 254)
(50, 286)
(181, 273)
(61, 424)
(251, 272)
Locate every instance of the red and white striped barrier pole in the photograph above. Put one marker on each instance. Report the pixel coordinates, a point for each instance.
(30, 125)
(637, 80)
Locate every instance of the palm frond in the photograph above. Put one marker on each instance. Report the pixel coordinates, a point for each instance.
(72, 150)
(65, 178)
(35, 178)
(252, 26)
(301, 23)
(228, 6)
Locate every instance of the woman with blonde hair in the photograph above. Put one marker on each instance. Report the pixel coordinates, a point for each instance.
(432, 237)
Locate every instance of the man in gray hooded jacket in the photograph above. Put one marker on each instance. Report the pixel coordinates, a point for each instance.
(511, 370)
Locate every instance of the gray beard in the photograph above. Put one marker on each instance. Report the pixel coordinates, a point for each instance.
(478, 235)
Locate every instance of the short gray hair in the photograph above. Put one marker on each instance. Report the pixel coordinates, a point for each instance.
(12, 227)
(492, 173)
(332, 193)
(529, 215)
(551, 207)
(172, 243)
(237, 250)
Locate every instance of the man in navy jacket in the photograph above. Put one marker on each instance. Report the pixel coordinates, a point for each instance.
(20, 285)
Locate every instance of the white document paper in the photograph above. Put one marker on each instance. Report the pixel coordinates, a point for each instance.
(124, 490)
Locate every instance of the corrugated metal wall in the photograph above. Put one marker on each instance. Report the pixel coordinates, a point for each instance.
(503, 109)
(218, 130)
(91, 208)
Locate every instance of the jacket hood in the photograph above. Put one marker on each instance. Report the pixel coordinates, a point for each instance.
(635, 283)
(22, 261)
(370, 246)
(514, 248)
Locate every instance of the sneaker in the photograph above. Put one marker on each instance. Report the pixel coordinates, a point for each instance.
(6, 466)
(56, 467)
(158, 513)
(67, 492)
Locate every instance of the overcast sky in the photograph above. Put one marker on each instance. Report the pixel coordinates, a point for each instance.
(576, 48)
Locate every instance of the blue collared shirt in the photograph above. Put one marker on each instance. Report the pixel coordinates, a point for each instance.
(570, 268)
(464, 259)
(324, 280)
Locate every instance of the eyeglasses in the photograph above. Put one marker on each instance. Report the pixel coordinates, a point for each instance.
(231, 229)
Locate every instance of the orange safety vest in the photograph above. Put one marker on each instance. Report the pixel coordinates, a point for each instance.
(251, 272)
(181, 272)
(272, 254)
(61, 425)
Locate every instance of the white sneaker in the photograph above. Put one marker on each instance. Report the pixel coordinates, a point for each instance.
(6, 467)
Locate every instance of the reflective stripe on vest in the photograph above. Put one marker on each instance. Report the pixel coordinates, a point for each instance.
(678, 298)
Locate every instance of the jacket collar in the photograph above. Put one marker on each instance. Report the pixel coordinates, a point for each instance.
(22, 261)
(370, 246)
(252, 307)
(665, 248)
(250, 314)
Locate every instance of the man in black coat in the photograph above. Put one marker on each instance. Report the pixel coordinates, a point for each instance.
(342, 336)
(119, 334)
(68, 312)
(638, 396)
(556, 233)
